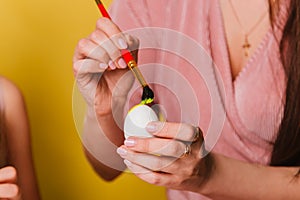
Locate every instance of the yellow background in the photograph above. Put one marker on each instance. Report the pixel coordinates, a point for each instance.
(36, 49)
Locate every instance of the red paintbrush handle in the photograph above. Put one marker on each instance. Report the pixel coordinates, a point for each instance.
(125, 53)
(102, 9)
(127, 56)
(148, 94)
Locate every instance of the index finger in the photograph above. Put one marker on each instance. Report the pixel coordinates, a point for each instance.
(112, 31)
(180, 131)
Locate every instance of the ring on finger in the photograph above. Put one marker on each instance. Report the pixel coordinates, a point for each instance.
(197, 134)
(187, 150)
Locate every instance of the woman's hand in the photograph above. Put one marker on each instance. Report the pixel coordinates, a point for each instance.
(174, 158)
(104, 81)
(8, 187)
(99, 55)
(165, 160)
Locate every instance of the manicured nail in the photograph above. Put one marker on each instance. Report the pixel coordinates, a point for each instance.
(122, 63)
(103, 65)
(127, 163)
(152, 127)
(112, 65)
(129, 142)
(121, 152)
(122, 43)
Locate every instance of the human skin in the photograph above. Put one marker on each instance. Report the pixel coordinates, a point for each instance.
(230, 178)
(19, 178)
(8, 186)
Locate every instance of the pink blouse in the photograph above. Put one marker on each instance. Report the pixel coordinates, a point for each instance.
(184, 56)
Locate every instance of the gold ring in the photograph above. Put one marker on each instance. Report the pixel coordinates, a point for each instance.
(187, 150)
(197, 134)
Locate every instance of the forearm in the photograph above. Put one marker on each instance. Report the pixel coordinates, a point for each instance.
(233, 179)
(19, 141)
(104, 126)
(101, 137)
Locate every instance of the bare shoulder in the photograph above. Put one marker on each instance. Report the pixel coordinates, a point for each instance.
(12, 97)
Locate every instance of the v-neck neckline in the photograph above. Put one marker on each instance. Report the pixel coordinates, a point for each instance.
(249, 61)
(225, 68)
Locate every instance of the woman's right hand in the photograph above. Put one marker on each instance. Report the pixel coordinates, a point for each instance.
(8, 187)
(98, 65)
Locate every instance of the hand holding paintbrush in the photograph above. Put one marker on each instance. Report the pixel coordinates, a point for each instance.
(101, 65)
(148, 95)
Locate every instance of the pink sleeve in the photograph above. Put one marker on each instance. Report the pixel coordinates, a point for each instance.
(128, 15)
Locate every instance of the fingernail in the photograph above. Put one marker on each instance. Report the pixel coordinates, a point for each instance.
(129, 142)
(103, 65)
(122, 43)
(112, 65)
(121, 152)
(122, 63)
(152, 127)
(127, 163)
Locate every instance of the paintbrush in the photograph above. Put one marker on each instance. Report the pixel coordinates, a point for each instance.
(148, 95)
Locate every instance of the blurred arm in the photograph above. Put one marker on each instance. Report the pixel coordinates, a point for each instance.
(18, 141)
(233, 179)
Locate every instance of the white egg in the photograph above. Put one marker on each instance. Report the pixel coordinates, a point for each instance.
(137, 119)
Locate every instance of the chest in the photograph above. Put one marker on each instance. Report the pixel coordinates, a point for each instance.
(244, 32)
(250, 89)
(254, 85)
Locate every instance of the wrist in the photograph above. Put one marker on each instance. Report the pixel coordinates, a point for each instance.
(206, 171)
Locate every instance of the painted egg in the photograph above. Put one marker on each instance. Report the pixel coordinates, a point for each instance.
(137, 119)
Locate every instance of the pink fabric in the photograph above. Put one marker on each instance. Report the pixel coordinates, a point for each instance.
(252, 103)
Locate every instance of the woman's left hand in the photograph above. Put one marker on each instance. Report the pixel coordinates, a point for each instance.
(173, 158)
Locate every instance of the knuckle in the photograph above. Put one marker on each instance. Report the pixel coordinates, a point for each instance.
(96, 53)
(141, 144)
(157, 166)
(81, 66)
(145, 145)
(94, 35)
(133, 42)
(155, 179)
(102, 55)
(178, 149)
(116, 36)
(82, 43)
(103, 21)
(115, 54)
(190, 132)
(107, 25)
(98, 36)
(133, 157)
